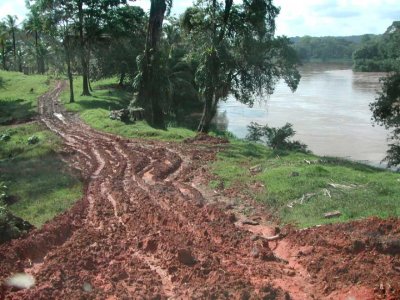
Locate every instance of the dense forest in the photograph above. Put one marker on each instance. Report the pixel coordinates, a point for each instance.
(176, 66)
(379, 53)
(369, 52)
(325, 49)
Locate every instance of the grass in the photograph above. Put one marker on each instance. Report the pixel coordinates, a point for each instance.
(44, 187)
(94, 111)
(39, 183)
(356, 190)
(18, 96)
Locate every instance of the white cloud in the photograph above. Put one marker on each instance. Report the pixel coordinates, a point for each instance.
(335, 17)
(13, 7)
(297, 18)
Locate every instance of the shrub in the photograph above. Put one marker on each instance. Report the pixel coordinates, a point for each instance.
(11, 227)
(33, 140)
(386, 112)
(276, 138)
(3, 192)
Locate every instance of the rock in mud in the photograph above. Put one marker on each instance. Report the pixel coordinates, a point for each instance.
(150, 245)
(332, 214)
(250, 222)
(232, 218)
(262, 251)
(256, 169)
(391, 247)
(186, 257)
(357, 246)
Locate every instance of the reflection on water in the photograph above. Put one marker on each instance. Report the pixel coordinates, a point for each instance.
(329, 111)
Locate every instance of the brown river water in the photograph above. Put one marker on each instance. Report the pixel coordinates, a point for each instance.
(329, 112)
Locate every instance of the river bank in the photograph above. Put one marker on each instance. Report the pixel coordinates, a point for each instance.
(329, 111)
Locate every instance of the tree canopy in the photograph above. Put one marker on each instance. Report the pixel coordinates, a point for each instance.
(379, 53)
(236, 52)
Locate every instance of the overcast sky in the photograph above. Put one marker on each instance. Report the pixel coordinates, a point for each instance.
(297, 18)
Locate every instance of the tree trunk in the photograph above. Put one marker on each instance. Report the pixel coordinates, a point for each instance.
(85, 71)
(70, 77)
(90, 85)
(37, 52)
(3, 55)
(213, 64)
(209, 111)
(149, 93)
(121, 79)
(19, 61)
(14, 51)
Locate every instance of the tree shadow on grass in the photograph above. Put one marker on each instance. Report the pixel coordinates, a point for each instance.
(15, 111)
(39, 176)
(100, 104)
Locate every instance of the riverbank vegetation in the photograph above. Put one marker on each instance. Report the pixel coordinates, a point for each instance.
(299, 188)
(367, 53)
(176, 66)
(379, 53)
(326, 49)
(117, 57)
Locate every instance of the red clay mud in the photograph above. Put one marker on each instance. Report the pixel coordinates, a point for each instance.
(146, 230)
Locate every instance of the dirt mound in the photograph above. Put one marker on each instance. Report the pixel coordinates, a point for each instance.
(364, 253)
(145, 230)
(203, 138)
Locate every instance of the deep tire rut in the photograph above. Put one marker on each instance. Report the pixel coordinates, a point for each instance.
(139, 232)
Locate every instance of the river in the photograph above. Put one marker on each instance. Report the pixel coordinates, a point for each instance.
(329, 112)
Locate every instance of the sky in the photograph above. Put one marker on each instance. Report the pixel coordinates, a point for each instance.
(297, 17)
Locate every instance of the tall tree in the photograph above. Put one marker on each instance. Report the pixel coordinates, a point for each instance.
(3, 40)
(58, 18)
(33, 26)
(83, 50)
(122, 39)
(11, 22)
(386, 112)
(237, 52)
(149, 91)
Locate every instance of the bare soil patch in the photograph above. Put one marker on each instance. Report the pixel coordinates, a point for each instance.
(146, 229)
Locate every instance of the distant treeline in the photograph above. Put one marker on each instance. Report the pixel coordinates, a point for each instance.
(379, 53)
(369, 52)
(326, 48)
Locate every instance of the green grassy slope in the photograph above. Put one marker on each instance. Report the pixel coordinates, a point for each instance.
(18, 96)
(94, 110)
(39, 184)
(325, 184)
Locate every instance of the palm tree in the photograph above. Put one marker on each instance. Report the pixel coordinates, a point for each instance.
(11, 22)
(32, 26)
(3, 40)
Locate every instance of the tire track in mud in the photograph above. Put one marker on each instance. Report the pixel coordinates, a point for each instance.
(140, 232)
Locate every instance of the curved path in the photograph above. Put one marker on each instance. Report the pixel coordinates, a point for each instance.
(143, 231)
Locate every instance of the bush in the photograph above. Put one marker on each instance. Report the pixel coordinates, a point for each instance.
(276, 138)
(386, 112)
(6, 136)
(3, 192)
(11, 227)
(33, 140)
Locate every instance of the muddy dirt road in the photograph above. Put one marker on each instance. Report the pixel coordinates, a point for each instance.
(147, 229)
